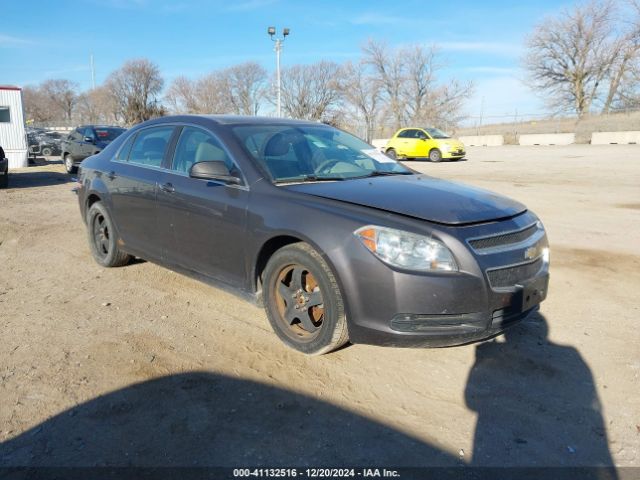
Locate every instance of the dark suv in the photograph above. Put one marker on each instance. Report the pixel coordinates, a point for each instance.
(85, 141)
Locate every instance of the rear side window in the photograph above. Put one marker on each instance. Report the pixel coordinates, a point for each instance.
(196, 145)
(406, 134)
(150, 146)
(123, 153)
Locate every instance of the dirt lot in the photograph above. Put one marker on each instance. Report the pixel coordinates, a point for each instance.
(142, 366)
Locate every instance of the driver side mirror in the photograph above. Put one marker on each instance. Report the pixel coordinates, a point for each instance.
(213, 170)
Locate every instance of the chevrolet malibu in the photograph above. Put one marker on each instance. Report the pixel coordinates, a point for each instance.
(336, 240)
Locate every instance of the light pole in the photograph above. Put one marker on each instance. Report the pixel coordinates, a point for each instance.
(272, 31)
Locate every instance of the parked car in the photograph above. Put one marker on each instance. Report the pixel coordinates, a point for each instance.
(45, 143)
(4, 169)
(335, 239)
(85, 141)
(428, 143)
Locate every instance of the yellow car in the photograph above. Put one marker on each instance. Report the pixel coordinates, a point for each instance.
(428, 143)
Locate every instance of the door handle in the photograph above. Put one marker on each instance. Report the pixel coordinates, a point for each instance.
(167, 187)
(111, 175)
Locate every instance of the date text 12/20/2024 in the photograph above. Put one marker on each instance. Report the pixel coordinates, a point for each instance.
(315, 472)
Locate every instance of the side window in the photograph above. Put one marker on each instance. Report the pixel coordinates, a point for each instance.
(77, 134)
(196, 145)
(421, 134)
(123, 153)
(405, 134)
(88, 132)
(150, 146)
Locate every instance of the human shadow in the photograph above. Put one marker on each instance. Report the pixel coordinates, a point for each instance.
(205, 419)
(537, 404)
(27, 179)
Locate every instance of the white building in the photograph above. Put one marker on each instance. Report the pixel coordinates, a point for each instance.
(13, 137)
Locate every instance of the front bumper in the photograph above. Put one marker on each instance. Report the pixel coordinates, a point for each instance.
(454, 154)
(395, 308)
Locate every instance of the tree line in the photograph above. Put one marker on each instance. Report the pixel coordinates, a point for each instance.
(385, 89)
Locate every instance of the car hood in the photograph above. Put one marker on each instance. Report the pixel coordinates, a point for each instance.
(419, 196)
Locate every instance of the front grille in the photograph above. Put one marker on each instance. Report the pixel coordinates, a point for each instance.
(510, 276)
(504, 239)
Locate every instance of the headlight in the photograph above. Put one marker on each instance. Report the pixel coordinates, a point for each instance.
(406, 250)
(445, 147)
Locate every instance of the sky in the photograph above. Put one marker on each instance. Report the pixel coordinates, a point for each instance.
(478, 41)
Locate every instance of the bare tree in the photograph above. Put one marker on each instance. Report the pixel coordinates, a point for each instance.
(63, 96)
(181, 96)
(37, 105)
(569, 58)
(310, 91)
(136, 86)
(389, 68)
(625, 52)
(98, 106)
(246, 87)
(362, 91)
(409, 80)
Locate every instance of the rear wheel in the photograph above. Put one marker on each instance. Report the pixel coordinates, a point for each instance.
(391, 153)
(303, 302)
(435, 155)
(4, 179)
(46, 151)
(103, 239)
(68, 164)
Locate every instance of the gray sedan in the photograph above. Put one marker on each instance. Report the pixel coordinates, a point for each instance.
(337, 241)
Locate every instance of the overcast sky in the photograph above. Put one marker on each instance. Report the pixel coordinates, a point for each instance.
(479, 40)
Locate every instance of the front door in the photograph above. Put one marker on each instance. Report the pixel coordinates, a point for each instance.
(203, 221)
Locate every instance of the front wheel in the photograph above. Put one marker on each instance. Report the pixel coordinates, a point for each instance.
(46, 151)
(68, 164)
(391, 153)
(435, 155)
(103, 239)
(303, 302)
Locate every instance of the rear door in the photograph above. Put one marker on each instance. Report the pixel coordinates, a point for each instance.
(137, 170)
(203, 222)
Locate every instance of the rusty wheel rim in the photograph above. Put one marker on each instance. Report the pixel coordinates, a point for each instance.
(299, 302)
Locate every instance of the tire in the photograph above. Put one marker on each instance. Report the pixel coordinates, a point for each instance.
(391, 153)
(46, 151)
(435, 155)
(68, 164)
(102, 238)
(314, 321)
(4, 180)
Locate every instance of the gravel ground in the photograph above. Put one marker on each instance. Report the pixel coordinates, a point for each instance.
(142, 366)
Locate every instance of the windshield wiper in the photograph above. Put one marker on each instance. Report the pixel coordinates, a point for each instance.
(308, 178)
(382, 173)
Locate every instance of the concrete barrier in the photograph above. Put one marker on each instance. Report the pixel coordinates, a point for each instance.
(482, 140)
(379, 143)
(608, 138)
(547, 139)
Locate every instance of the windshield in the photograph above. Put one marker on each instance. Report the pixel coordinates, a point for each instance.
(313, 153)
(437, 134)
(108, 134)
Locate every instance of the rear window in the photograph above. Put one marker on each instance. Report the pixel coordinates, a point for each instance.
(108, 134)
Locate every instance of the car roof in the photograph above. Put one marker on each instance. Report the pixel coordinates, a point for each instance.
(232, 120)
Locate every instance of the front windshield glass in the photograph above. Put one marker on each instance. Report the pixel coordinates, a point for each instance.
(300, 153)
(108, 134)
(436, 133)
